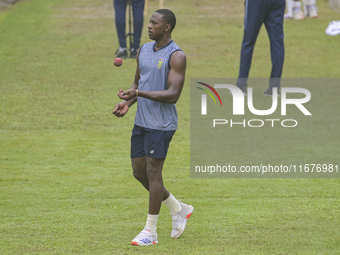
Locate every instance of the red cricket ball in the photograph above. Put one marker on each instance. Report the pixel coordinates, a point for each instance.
(118, 62)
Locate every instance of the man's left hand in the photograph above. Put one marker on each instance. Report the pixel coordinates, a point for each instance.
(127, 95)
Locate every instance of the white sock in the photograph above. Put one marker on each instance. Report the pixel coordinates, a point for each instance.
(311, 7)
(290, 6)
(172, 204)
(151, 221)
(297, 7)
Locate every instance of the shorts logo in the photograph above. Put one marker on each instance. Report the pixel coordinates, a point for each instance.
(160, 62)
(152, 151)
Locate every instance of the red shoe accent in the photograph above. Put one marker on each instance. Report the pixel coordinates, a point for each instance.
(188, 216)
(134, 243)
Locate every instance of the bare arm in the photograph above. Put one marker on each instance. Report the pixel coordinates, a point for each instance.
(175, 83)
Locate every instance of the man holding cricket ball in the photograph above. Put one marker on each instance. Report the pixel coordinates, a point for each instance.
(158, 84)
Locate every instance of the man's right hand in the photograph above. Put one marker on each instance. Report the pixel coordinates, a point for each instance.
(121, 109)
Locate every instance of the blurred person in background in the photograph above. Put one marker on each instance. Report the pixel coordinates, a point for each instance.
(294, 10)
(137, 11)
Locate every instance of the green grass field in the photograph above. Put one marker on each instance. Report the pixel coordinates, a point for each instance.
(66, 185)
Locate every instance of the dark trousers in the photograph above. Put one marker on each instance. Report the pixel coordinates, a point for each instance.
(137, 11)
(270, 13)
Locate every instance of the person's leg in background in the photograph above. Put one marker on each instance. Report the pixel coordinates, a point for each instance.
(274, 26)
(294, 10)
(255, 13)
(120, 11)
(290, 6)
(138, 18)
(310, 8)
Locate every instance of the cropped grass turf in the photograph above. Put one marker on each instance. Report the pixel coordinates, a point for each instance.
(65, 177)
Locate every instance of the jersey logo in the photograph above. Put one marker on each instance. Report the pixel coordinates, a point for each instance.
(160, 62)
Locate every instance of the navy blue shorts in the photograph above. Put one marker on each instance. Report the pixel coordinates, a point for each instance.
(149, 142)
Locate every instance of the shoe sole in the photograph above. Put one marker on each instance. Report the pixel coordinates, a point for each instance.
(185, 223)
(137, 244)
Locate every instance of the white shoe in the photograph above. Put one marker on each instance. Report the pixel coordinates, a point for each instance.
(287, 16)
(298, 15)
(146, 237)
(179, 220)
(313, 14)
